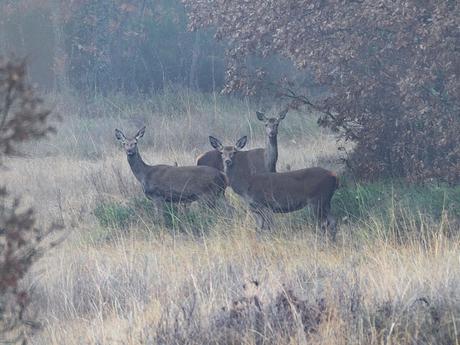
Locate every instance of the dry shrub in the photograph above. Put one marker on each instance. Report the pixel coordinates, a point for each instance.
(284, 317)
(21, 241)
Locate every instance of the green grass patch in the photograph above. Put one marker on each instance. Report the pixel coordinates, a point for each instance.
(358, 201)
(118, 215)
(113, 215)
(194, 219)
(391, 209)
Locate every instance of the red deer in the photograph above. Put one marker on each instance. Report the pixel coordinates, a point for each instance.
(261, 160)
(165, 183)
(278, 192)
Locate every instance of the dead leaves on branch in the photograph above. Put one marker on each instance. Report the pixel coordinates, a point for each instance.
(22, 118)
(391, 69)
(22, 115)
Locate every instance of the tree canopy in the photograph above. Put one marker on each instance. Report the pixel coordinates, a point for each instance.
(391, 68)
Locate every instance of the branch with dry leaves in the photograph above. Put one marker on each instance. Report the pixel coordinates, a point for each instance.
(390, 71)
(22, 118)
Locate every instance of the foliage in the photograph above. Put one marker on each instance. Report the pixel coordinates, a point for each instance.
(135, 45)
(102, 47)
(22, 117)
(391, 69)
(21, 242)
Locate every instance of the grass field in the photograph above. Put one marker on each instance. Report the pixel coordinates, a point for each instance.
(207, 277)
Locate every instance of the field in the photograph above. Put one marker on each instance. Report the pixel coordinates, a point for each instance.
(207, 276)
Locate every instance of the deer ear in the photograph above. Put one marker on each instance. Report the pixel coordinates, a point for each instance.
(241, 142)
(216, 143)
(261, 116)
(282, 114)
(119, 135)
(140, 133)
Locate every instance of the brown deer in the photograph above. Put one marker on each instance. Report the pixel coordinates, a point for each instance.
(165, 183)
(278, 192)
(260, 160)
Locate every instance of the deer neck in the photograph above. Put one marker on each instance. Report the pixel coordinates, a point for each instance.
(271, 153)
(138, 167)
(238, 176)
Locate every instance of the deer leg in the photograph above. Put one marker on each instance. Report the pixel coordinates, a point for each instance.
(268, 219)
(182, 206)
(259, 219)
(218, 200)
(211, 201)
(327, 221)
(263, 219)
(159, 208)
(332, 226)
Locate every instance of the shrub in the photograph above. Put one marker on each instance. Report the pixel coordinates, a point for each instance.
(22, 118)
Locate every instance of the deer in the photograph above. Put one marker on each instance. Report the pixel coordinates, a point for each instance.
(172, 184)
(282, 192)
(261, 160)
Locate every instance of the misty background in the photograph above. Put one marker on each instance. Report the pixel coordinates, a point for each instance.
(106, 46)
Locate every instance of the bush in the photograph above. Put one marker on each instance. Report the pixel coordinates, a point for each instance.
(22, 119)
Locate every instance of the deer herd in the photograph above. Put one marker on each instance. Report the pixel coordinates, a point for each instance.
(251, 174)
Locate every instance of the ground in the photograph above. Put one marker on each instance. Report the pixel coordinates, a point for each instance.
(207, 276)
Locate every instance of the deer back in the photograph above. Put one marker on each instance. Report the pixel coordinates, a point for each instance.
(187, 183)
(290, 191)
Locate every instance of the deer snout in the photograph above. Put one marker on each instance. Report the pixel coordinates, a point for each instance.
(130, 150)
(272, 132)
(228, 162)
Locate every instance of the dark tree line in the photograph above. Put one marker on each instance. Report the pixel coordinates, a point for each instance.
(109, 46)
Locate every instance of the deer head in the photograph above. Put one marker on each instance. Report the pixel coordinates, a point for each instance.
(228, 152)
(271, 123)
(130, 145)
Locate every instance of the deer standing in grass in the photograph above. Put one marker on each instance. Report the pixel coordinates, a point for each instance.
(165, 183)
(268, 193)
(259, 160)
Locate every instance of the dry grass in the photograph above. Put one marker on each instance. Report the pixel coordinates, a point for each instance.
(155, 284)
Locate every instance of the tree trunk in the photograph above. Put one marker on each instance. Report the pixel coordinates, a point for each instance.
(61, 61)
(3, 44)
(193, 77)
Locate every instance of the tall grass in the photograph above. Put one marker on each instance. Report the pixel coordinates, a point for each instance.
(127, 276)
